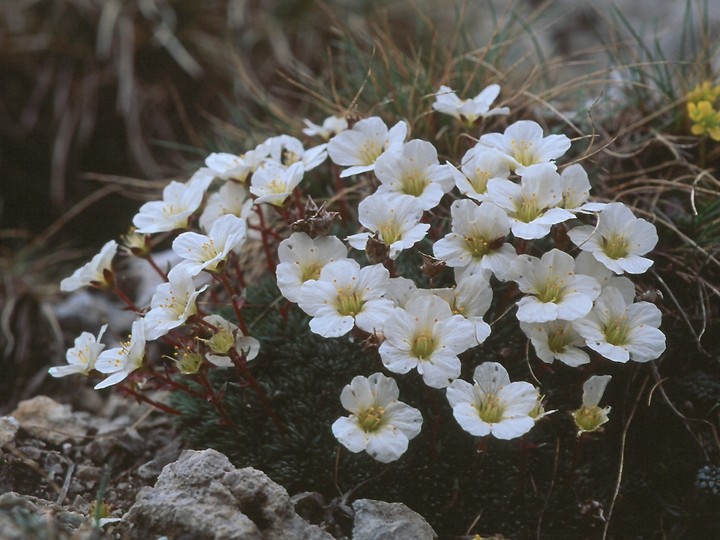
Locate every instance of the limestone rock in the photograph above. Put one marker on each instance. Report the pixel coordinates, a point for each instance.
(8, 429)
(49, 421)
(202, 496)
(378, 520)
(24, 516)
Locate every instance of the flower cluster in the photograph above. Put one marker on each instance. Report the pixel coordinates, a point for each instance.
(701, 108)
(500, 216)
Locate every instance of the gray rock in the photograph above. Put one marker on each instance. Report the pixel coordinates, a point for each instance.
(377, 520)
(8, 429)
(24, 516)
(49, 421)
(202, 496)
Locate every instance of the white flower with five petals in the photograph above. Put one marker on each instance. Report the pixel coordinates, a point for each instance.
(119, 362)
(413, 169)
(285, 151)
(553, 289)
(447, 102)
(358, 148)
(396, 220)
(272, 183)
(426, 336)
(379, 423)
(620, 331)
(346, 295)
(82, 356)
(94, 273)
(477, 241)
(302, 258)
(172, 304)
(478, 166)
(332, 125)
(209, 252)
(523, 144)
(619, 240)
(179, 202)
(531, 206)
(493, 405)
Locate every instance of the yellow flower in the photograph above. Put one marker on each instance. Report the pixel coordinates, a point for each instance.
(703, 92)
(706, 119)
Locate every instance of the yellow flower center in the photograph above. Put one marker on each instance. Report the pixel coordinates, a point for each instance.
(349, 302)
(490, 409)
(390, 231)
(589, 418)
(371, 419)
(528, 209)
(524, 152)
(553, 291)
(477, 246)
(615, 246)
(558, 341)
(369, 152)
(310, 271)
(423, 345)
(221, 342)
(479, 180)
(616, 332)
(414, 183)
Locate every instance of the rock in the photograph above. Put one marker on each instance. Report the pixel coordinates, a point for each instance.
(23, 517)
(202, 496)
(377, 520)
(49, 421)
(8, 429)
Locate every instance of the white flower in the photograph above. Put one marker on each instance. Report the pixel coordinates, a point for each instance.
(447, 102)
(82, 356)
(231, 198)
(477, 241)
(286, 151)
(555, 291)
(556, 340)
(379, 423)
(332, 125)
(345, 295)
(622, 332)
(619, 240)
(272, 183)
(479, 164)
(400, 290)
(358, 148)
(471, 298)
(179, 202)
(576, 190)
(427, 336)
(226, 337)
(523, 145)
(123, 360)
(94, 272)
(493, 405)
(302, 258)
(413, 169)
(532, 205)
(201, 252)
(590, 417)
(588, 265)
(231, 167)
(395, 218)
(172, 304)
